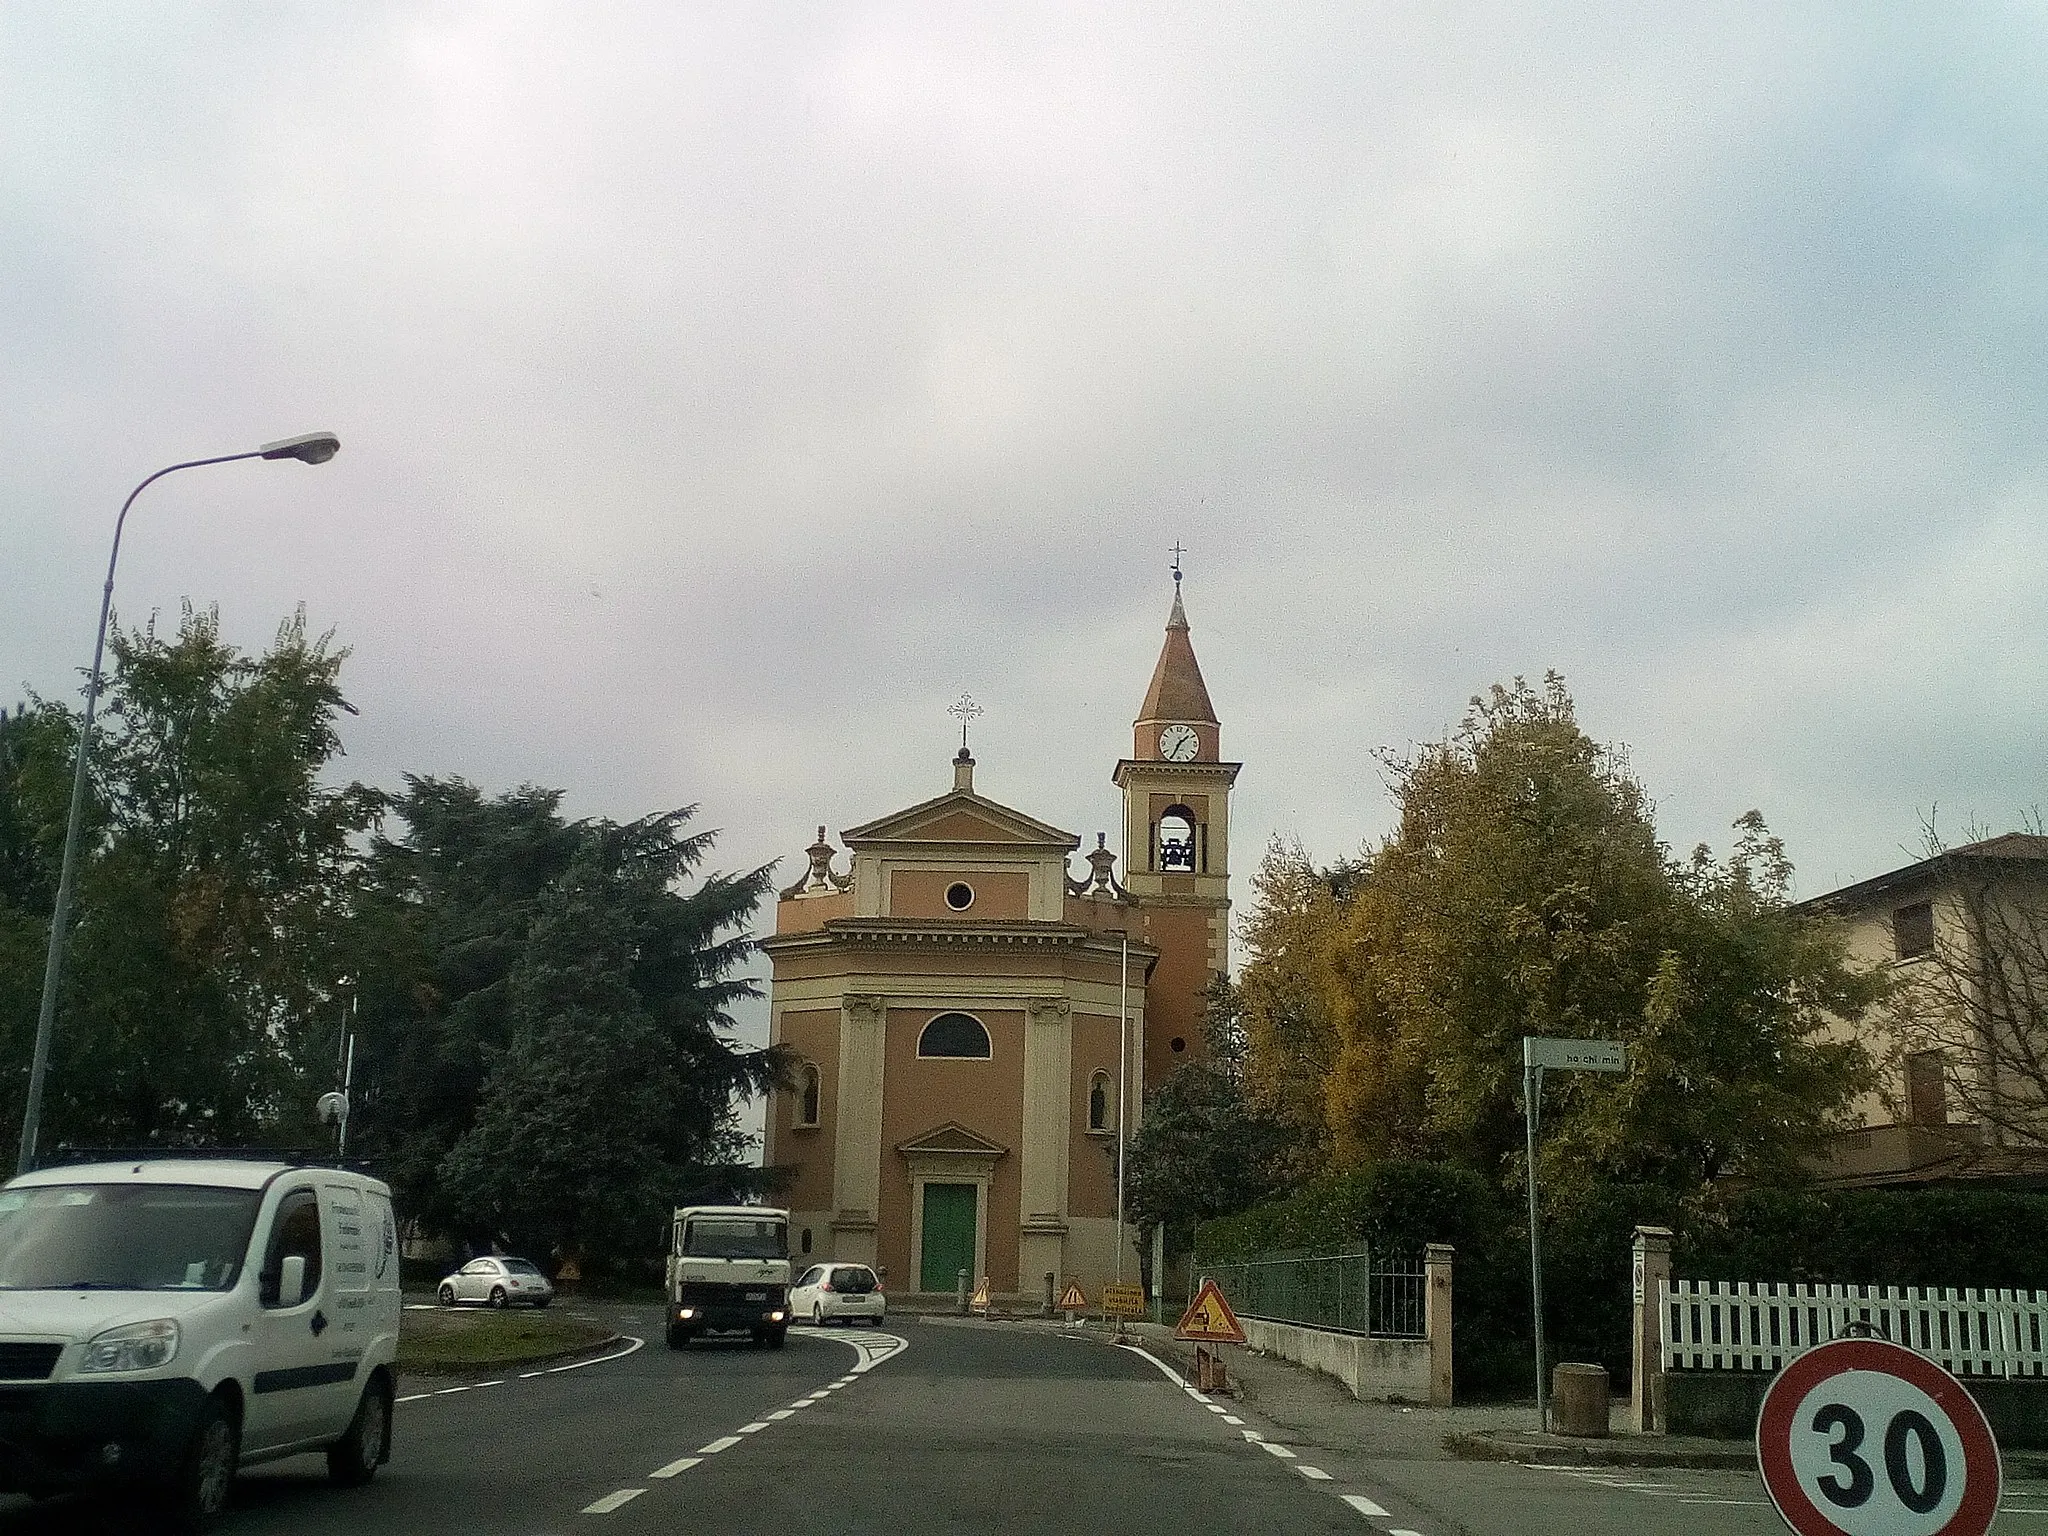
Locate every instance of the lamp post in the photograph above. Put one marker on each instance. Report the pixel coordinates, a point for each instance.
(312, 448)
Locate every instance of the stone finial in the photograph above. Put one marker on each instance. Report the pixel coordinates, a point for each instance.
(963, 772)
(818, 880)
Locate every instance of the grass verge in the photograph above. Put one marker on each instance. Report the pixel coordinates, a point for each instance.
(448, 1341)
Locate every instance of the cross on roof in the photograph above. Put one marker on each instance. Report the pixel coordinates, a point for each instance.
(1177, 552)
(965, 710)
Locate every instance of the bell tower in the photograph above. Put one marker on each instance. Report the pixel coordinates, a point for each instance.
(1176, 790)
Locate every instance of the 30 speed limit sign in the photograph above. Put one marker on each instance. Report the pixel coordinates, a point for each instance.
(1864, 1438)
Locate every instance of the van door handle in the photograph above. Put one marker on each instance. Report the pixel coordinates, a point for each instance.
(319, 1323)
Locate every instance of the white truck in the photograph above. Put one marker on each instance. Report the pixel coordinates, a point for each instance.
(165, 1321)
(728, 1272)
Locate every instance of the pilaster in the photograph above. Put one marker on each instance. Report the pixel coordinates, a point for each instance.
(857, 1140)
(1048, 1129)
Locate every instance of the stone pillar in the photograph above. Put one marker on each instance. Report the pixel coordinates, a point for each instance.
(1646, 1360)
(857, 1142)
(1436, 1266)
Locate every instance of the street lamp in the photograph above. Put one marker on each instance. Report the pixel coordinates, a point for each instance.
(312, 448)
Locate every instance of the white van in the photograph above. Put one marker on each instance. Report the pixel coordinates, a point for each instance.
(162, 1322)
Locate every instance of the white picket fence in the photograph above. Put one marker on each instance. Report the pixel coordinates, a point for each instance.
(1712, 1325)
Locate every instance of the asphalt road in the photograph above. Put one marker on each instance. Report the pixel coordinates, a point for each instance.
(974, 1428)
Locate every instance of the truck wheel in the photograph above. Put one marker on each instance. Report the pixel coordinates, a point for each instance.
(206, 1475)
(354, 1458)
(678, 1336)
(776, 1337)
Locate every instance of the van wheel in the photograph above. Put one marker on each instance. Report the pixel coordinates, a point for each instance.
(498, 1297)
(206, 1475)
(354, 1458)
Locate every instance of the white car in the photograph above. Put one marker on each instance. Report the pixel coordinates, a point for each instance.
(838, 1293)
(163, 1322)
(498, 1283)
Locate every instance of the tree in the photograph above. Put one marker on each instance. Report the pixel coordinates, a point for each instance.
(545, 997)
(1973, 1005)
(1525, 891)
(215, 866)
(1283, 1000)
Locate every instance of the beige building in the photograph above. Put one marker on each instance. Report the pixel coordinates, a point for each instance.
(955, 999)
(1962, 1046)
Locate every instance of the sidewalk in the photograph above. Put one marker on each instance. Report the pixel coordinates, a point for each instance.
(1320, 1411)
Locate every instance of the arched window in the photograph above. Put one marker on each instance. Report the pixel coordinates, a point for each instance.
(954, 1034)
(1098, 1103)
(807, 1095)
(1177, 839)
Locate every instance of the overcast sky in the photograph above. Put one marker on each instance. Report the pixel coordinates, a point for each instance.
(724, 389)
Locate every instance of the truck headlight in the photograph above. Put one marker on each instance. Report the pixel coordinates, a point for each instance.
(137, 1347)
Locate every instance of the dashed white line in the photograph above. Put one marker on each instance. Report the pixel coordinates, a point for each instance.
(612, 1501)
(681, 1464)
(1313, 1474)
(754, 1428)
(1231, 1418)
(780, 1413)
(1276, 1450)
(1363, 1505)
(722, 1443)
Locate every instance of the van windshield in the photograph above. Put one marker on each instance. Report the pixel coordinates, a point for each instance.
(124, 1237)
(735, 1237)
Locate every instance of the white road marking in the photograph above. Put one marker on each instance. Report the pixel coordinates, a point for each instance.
(752, 1429)
(681, 1464)
(1277, 1450)
(1313, 1474)
(415, 1397)
(446, 1391)
(1363, 1505)
(1213, 1407)
(780, 1413)
(722, 1443)
(1252, 1435)
(1403, 1531)
(1231, 1418)
(612, 1501)
(498, 1383)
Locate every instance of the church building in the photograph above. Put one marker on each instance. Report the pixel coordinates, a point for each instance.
(956, 998)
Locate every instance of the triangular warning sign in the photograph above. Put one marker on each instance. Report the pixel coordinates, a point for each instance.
(1208, 1319)
(1073, 1299)
(981, 1295)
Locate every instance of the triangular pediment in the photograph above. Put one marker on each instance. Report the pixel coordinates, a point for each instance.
(955, 1138)
(961, 816)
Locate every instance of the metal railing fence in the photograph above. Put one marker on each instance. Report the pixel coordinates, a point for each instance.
(1712, 1325)
(1348, 1292)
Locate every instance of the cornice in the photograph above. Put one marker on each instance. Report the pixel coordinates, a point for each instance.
(843, 932)
(1130, 767)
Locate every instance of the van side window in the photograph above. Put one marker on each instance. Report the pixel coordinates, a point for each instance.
(295, 1231)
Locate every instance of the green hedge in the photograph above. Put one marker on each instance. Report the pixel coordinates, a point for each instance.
(1944, 1236)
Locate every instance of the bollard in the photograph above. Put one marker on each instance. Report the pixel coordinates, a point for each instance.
(960, 1294)
(1578, 1400)
(1050, 1281)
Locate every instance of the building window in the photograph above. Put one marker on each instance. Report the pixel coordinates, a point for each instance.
(1177, 1044)
(959, 895)
(807, 1086)
(957, 1035)
(1913, 930)
(1177, 840)
(1098, 1103)
(1926, 1089)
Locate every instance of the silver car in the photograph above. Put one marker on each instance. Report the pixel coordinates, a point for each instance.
(497, 1282)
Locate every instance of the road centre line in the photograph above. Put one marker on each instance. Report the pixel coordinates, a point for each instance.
(722, 1443)
(680, 1464)
(1313, 1474)
(781, 1413)
(754, 1428)
(612, 1501)
(1363, 1505)
(1278, 1450)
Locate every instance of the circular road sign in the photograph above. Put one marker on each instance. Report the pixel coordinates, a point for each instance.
(1862, 1437)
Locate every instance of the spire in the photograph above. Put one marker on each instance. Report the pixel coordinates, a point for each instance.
(1177, 691)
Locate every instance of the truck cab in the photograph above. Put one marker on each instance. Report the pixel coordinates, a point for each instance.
(728, 1272)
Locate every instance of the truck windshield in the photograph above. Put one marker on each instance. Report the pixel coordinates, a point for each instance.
(124, 1237)
(734, 1237)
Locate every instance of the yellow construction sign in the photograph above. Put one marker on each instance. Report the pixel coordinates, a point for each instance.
(1208, 1319)
(1123, 1301)
(980, 1302)
(1073, 1298)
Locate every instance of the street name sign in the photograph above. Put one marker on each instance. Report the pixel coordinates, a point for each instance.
(1123, 1301)
(1209, 1320)
(1073, 1298)
(1573, 1055)
(1863, 1437)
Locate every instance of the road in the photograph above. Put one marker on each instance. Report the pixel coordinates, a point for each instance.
(934, 1427)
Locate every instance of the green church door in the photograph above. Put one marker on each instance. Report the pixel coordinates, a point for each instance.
(948, 1236)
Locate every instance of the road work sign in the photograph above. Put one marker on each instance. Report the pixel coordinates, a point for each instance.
(1123, 1301)
(1862, 1437)
(1073, 1298)
(1208, 1319)
(980, 1301)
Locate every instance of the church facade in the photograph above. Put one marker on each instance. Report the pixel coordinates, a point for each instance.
(967, 1014)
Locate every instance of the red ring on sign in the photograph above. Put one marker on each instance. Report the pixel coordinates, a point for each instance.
(1981, 1474)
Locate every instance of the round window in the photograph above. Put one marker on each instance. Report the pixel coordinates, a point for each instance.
(1178, 1044)
(959, 895)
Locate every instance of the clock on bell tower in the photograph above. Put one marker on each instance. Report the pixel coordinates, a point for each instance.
(1176, 791)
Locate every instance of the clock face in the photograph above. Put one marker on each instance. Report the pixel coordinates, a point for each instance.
(1179, 743)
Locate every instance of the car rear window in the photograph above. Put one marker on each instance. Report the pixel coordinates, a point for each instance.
(519, 1267)
(855, 1281)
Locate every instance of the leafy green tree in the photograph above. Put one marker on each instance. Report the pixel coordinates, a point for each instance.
(216, 866)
